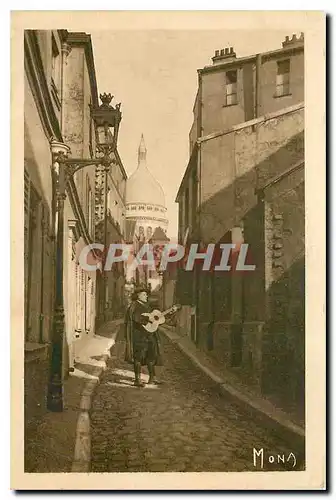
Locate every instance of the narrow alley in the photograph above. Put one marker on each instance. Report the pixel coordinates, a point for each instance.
(183, 425)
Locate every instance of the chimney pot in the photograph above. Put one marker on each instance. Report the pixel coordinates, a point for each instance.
(294, 38)
(226, 51)
(222, 52)
(216, 53)
(287, 39)
(231, 50)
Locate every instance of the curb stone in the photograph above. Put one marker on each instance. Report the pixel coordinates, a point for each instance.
(82, 455)
(280, 425)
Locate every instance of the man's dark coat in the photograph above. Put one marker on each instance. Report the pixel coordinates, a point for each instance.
(135, 334)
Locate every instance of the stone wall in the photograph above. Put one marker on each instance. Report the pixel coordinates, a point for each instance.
(235, 164)
(284, 346)
(260, 329)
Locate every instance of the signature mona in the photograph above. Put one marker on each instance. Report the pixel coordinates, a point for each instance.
(260, 457)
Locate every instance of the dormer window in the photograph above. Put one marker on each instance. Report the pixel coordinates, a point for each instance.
(282, 79)
(231, 87)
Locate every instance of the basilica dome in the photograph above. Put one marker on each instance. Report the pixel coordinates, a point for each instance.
(142, 187)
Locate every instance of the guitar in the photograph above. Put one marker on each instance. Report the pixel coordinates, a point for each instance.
(157, 318)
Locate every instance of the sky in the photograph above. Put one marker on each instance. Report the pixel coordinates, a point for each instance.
(153, 73)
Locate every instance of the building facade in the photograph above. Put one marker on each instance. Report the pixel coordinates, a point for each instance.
(245, 184)
(60, 88)
(146, 209)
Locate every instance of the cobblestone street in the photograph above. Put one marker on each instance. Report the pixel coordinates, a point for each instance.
(183, 425)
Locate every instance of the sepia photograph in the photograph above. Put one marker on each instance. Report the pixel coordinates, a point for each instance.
(164, 251)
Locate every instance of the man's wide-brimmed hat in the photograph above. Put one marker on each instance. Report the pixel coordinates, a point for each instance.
(138, 290)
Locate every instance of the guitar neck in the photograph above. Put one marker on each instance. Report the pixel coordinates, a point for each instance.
(167, 311)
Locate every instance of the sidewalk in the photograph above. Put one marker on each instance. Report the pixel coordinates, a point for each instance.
(62, 441)
(230, 386)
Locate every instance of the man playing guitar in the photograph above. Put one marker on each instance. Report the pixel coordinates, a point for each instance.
(142, 340)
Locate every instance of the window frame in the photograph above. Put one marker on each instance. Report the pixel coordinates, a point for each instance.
(234, 89)
(282, 85)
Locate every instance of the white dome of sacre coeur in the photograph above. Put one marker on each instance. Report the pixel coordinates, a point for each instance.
(142, 187)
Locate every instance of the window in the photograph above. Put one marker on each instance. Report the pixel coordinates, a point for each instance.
(55, 65)
(231, 87)
(282, 80)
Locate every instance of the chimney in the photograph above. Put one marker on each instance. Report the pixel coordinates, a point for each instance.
(289, 42)
(224, 55)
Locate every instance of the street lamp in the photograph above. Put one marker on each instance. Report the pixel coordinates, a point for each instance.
(107, 128)
(107, 120)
